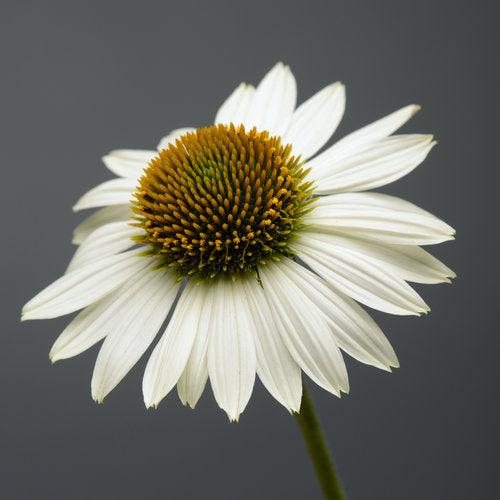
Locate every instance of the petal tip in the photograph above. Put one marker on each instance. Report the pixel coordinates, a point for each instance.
(338, 85)
(98, 399)
(53, 356)
(27, 315)
(394, 363)
(415, 108)
(149, 402)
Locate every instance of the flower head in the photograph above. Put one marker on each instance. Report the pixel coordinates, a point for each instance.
(222, 200)
(258, 249)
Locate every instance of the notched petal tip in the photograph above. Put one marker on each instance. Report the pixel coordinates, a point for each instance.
(424, 312)
(98, 399)
(56, 354)
(150, 403)
(53, 356)
(233, 418)
(395, 364)
(98, 393)
(29, 315)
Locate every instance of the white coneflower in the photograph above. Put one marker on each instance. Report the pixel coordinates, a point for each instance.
(264, 248)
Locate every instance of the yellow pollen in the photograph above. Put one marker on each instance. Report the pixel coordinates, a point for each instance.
(217, 192)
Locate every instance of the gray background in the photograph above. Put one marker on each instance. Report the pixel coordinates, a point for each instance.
(81, 78)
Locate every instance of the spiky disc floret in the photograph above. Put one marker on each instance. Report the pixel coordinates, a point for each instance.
(221, 200)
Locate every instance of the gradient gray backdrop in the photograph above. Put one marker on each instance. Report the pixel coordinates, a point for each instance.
(81, 78)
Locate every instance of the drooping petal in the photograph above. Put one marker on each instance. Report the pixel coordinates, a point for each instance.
(315, 121)
(358, 139)
(113, 213)
(274, 101)
(304, 331)
(113, 192)
(380, 217)
(128, 163)
(355, 331)
(172, 137)
(382, 163)
(361, 278)
(133, 332)
(231, 350)
(410, 263)
(171, 354)
(276, 368)
(84, 286)
(108, 239)
(236, 107)
(95, 321)
(195, 375)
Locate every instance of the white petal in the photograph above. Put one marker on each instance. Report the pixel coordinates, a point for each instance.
(274, 101)
(114, 192)
(84, 286)
(384, 162)
(236, 106)
(276, 368)
(108, 239)
(315, 121)
(173, 136)
(304, 331)
(128, 162)
(95, 322)
(105, 215)
(195, 375)
(171, 354)
(231, 350)
(410, 263)
(145, 155)
(375, 131)
(359, 277)
(380, 217)
(355, 331)
(133, 332)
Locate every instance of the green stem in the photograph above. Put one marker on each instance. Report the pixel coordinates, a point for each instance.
(318, 450)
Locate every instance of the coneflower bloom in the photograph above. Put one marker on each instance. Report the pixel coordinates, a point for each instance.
(262, 247)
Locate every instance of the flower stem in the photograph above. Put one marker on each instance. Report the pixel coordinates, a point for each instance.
(318, 450)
